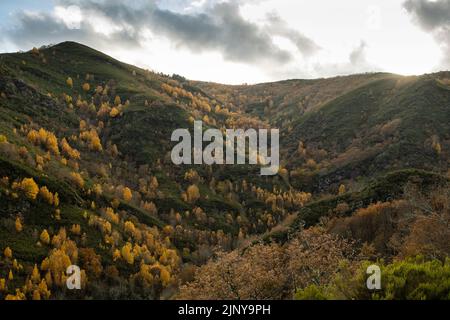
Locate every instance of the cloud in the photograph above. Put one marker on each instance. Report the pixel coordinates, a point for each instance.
(213, 26)
(278, 27)
(433, 17)
(220, 28)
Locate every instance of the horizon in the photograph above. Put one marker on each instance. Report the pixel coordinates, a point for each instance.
(237, 84)
(237, 42)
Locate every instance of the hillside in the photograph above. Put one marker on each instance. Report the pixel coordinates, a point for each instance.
(87, 179)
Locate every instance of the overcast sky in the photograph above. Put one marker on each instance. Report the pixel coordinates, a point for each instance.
(251, 41)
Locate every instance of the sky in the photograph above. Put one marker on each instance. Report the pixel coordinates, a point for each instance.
(246, 41)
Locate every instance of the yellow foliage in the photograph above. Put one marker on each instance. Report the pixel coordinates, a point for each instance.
(127, 253)
(56, 199)
(46, 195)
(93, 140)
(192, 193)
(69, 151)
(30, 188)
(8, 253)
(2, 285)
(45, 237)
(18, 225)
(116, 255)
(69, 82)
(3, 138)
(44, 138)
(86, 87)
(76, 229)
(35, 275)
(114, 112)
(77, 179)
(342, 189)
(127, 195)
(36, 295)
(98, 190)
(111, 216)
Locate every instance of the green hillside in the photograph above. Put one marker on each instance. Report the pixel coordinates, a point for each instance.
(86, 176)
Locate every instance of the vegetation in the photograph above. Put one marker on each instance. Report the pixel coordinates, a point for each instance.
(86, 179)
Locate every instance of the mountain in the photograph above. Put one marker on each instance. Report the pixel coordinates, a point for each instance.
(87, 179)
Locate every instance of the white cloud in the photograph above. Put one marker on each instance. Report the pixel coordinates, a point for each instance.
(242, 41)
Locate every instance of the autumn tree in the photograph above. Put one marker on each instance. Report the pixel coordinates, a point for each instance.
(341, 190)
(46, 195)
(45, 237)
(69, 82)
(18, 225)
(30, 188)
(126, 194)
(117, 101)
(86, 87)
(192, 193)
(8, 253)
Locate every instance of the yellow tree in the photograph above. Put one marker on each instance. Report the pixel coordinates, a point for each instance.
(342, 190)
(30, 188)
(8, 253)
(69, 82)
(18, 225)
(117, 101)
(35, 275)
(127, 195)
(114, 112)
(46, 195)
(86, 87)
(193, 193)
(45, 237)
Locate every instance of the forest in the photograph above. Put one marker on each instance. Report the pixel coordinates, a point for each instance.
(86, 179)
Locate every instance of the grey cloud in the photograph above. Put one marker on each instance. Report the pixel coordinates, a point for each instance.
(358, 55)
(433, 17)
(218, 27)
(278, 27)
(223, 28)
(35, 30)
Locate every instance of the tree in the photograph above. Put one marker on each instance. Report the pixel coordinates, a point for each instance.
(192, 193)
(114, 112)
(117, 101)
(257, 273)
(77, 179)
(46, 195)
(342, 190)
(30, 188)
(36, 295)
(69, 82)
(91, 262)
(126, 194)
(56, 199)
(86, 87)
(45, 237)
(35, 275)
(8, 253)
(18, 225)
(68, 150)
(127, 253)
